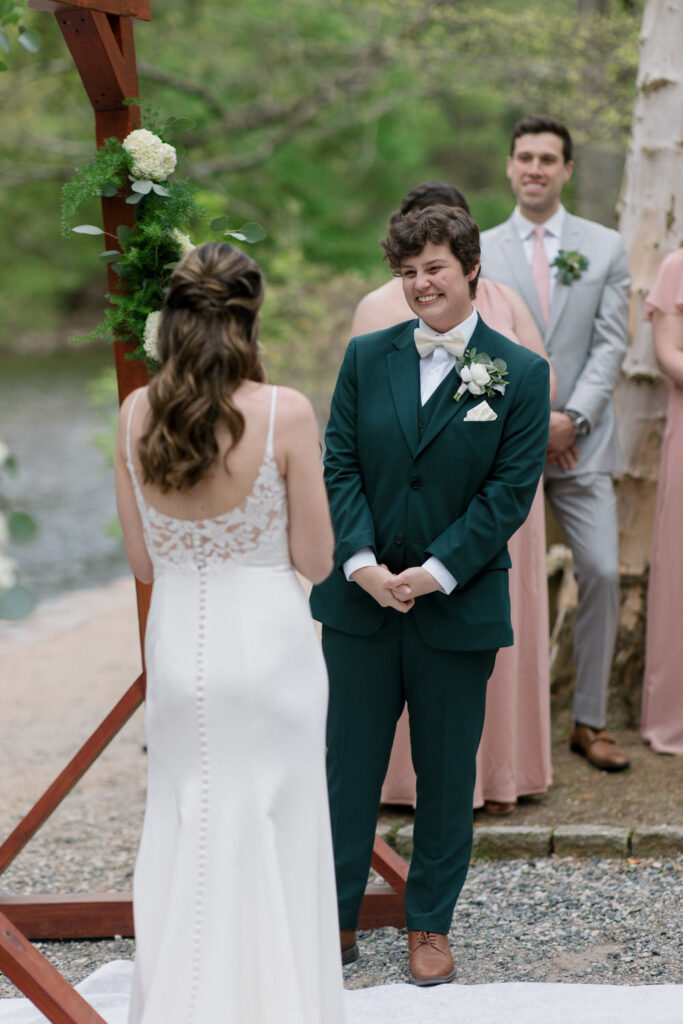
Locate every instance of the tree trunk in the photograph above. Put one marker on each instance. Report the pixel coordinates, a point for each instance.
(651, 224)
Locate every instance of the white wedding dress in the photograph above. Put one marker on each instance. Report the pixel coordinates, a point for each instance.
(234, 899)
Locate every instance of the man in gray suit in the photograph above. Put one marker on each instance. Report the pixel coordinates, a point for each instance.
(573, 274)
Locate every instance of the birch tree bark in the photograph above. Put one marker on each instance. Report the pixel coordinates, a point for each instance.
(651, 224)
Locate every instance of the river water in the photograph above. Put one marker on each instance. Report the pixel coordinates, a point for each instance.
(49, 420)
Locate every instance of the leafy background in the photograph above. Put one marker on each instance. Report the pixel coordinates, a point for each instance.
(313, 118)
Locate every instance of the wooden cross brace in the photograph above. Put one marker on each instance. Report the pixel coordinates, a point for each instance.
(99, 34)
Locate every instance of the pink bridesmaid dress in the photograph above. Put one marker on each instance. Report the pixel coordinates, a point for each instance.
(514, 754)
(662, 709)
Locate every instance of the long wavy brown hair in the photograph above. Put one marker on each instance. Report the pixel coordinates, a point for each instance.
(208, 345)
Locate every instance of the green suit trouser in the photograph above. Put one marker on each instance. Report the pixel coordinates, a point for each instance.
(370, 679)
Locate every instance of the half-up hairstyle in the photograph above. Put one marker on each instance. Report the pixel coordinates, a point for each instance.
(208, 345)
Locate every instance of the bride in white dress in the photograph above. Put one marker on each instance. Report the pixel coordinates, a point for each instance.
(220, 497)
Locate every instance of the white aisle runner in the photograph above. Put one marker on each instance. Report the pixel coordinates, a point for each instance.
(511, 1003)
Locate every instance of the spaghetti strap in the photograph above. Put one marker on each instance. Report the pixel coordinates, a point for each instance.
(130, 417)
(271, 425)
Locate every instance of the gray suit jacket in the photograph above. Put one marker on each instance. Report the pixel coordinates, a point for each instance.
(586, 336)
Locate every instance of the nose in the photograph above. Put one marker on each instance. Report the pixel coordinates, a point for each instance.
(422, 281)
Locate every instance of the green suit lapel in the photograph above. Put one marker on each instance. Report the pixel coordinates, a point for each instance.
(404, 379)
(446, 407)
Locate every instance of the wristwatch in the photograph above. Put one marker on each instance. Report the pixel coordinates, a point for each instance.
(581, 424)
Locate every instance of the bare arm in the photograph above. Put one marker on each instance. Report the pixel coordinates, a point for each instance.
(528, 333)
(129, 515)
(668, 337)
(311, 540)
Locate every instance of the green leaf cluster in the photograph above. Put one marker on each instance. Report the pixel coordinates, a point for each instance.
(11, 13)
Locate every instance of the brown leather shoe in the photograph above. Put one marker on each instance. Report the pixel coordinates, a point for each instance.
(599, 748)
(431, 962)
(349, 946)
(497, 808)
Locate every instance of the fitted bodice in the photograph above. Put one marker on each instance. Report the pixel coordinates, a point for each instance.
(253, 533)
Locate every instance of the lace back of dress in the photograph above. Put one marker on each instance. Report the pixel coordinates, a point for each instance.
(254, 532)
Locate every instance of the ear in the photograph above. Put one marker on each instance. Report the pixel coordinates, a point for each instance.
(473, 272)
(508, 167)
(568, 168)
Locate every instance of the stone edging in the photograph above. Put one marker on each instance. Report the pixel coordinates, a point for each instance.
(509, 842)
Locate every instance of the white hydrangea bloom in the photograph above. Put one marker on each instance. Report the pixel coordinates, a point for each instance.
(4, 532)
(8, 573)
(183, 241)
(4, 453)
(151, 335)
(152, 158)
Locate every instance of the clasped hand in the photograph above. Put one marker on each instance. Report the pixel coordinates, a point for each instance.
(397, 591)
(562, 450)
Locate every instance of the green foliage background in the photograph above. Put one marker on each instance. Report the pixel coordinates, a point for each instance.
(313, 117)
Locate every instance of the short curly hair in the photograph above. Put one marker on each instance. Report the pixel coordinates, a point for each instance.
(442, 225)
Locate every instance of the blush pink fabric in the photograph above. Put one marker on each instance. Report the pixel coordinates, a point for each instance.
(514, 753)
(662, 710)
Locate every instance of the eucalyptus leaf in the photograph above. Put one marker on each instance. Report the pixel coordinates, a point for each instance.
(109, 256)
(236, 234)
(118, 268)
(251, 232)
(4, 40)
(123, 233)
(179, 124)
(142, 185)
(133, 199)
(109, 190)
(87, 229)
(30, 40)
(481, 357)
(500, 364)
(171, 266)
(22, 526)
(160, 190)
(16, 603)
(219, 224)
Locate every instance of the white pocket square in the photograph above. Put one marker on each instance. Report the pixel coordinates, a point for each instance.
(482, 413)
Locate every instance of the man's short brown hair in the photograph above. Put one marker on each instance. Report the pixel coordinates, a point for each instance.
(441, 225)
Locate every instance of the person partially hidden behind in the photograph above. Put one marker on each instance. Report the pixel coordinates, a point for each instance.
(425, 491)
(573, 275)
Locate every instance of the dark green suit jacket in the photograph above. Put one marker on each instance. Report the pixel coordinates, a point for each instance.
(459, 492)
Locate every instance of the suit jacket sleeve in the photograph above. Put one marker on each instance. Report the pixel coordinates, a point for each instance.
(598, 378)
(351, 516)
(503, 502)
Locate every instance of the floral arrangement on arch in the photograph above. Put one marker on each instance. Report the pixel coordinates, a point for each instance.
(147, 253)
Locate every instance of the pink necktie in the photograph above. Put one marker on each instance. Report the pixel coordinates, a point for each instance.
(540, 271)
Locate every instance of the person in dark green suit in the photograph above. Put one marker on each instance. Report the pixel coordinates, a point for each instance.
(425, 491)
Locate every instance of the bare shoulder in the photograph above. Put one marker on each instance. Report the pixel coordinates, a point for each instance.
(380, 308)
(142, 401)
(293, 408)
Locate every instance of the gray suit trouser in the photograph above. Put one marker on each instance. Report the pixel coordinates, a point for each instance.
(585, 507)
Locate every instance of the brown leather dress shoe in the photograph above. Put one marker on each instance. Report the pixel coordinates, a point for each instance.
(349, 946)
(599, 748)
(431, 962)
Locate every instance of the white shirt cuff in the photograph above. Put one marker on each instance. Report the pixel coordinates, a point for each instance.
(366, 556)
(443, 577)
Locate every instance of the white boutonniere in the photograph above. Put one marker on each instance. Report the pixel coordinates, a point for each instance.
(480, 375)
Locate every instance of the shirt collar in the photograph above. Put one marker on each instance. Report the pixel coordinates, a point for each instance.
(466, 328)
(553, 225)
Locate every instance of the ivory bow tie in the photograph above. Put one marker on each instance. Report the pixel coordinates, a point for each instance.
(452, 341)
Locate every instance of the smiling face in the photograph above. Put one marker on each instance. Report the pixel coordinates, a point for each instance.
(537, 172)
(436, 287)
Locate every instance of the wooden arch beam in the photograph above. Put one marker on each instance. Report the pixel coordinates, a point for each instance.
(137, 9)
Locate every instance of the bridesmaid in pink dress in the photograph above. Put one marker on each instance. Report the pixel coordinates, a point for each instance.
(662, 711)
(514, 753)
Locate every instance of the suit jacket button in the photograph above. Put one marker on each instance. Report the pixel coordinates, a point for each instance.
(399, 538)
(416, 483)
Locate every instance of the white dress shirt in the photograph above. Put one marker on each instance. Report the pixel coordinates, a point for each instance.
(433, 369)
(552, 240)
